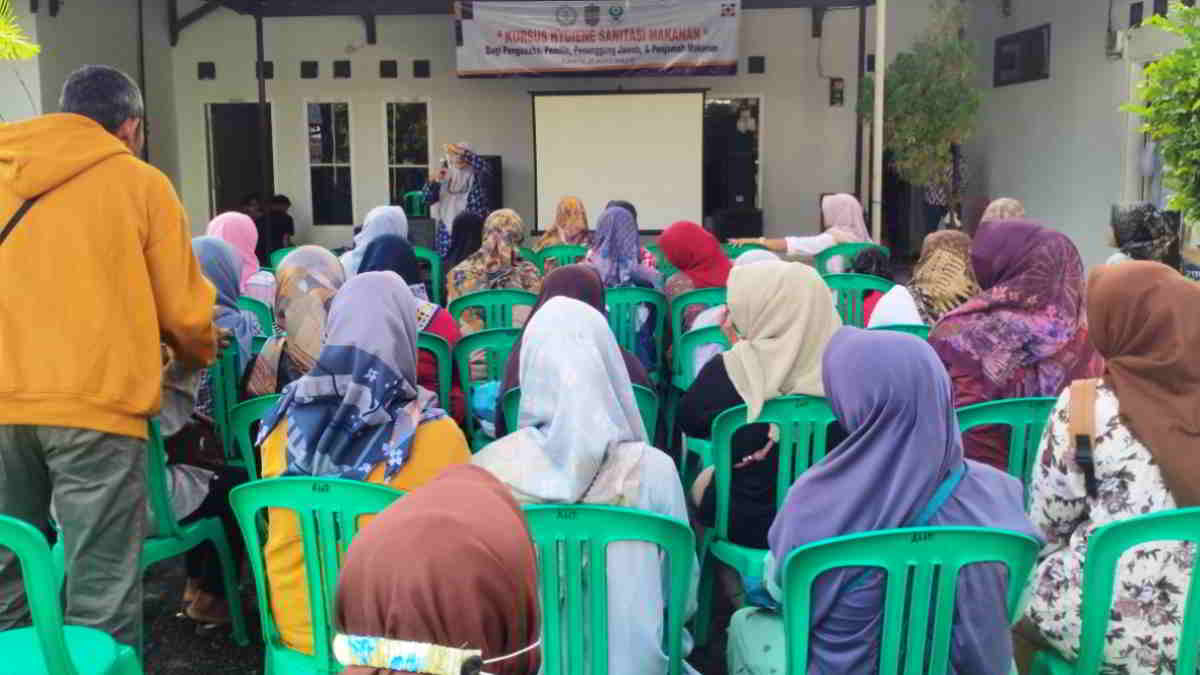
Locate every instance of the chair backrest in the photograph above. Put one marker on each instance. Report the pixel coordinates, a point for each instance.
(1026, 420)
(575, 595)
(530, 255)
(647, 403)
(329, 512)
(665, 268)
(241, 418)
(850, 289)
(803, 423)
(918, 329)
(223, 384)
(41, 591)
(623, 305)
(847, 251)
(262, 312)
(1104, 550)
(562, 255)
(496, 345)
(734, 250)
(437, 345)
(922, 567)
(685, 353)
(278, 255)
(414, 204)
(257, 343)
(157, 494)
(705, 297)
(437, 279)
(495, 305)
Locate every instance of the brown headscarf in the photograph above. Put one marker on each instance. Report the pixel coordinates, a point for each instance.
(943, 278)
(570, 225)
(451, 564)
(1145, 322)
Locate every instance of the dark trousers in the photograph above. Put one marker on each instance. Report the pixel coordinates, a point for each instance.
(202, 562)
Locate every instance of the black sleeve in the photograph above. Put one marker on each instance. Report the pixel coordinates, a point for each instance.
(289, 227)
(711, 394)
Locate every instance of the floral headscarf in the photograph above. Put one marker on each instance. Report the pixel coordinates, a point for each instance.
(570, 225)
(498, 262)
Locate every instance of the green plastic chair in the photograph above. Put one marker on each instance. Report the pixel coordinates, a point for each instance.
(803, 423)
(572, 546)
(918, 329)
(647, 403)
(850, 289)
(257, 343)
(48, 647)
(329, 511)
(705, 297)
(241, 418)
(680, 383)
(495, 305)
(414, 204)
(437, 279)
(278, 256)
(531, 255)
(623, 304)
(847, 251)
(223, 383)
(1104, 550)
(562, 255)
(665, 268)
(1025, 418)
(496, 345)
(437, 345)
(733, 250)
(262, 311)
(922, 565)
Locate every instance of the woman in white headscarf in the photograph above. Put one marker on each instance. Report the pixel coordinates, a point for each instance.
(461, 185)
(713, 315)
(580, 440)
(380, 220)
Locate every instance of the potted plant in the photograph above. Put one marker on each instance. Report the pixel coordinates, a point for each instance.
(930, 101)
(14, 45)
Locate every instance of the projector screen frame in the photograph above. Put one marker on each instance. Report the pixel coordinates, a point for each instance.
(533, 94)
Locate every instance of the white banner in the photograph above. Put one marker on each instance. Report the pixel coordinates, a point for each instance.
(615, 37)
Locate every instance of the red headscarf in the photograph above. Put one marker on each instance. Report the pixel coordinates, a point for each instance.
(696, 253)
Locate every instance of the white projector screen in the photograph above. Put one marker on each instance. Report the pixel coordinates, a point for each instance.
(645, 148)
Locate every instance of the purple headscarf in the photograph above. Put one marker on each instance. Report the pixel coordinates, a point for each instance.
(904, 442)
(615, 248)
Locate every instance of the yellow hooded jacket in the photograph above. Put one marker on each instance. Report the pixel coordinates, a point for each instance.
(98, 273)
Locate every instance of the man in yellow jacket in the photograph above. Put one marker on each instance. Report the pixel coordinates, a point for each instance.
(96, 271)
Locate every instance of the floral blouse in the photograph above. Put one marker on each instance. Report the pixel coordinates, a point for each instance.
(1152, 579)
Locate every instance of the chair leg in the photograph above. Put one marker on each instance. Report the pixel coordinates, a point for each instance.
(233, 595)
(127, 662)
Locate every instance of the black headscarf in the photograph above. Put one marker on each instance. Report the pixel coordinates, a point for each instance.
(391, 253)
(466, 239)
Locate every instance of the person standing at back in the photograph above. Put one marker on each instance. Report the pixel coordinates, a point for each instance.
(97, 268)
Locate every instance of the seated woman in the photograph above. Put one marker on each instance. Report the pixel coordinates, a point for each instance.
(582, 441)
(1141, 232)
(616, 254)
(1144, 322)
(466, 239)
(358, 414)
(497, 264)
(309, 277)
(1025, 335)
(942, 280)
(841, 223)
(646, 258)
(380, 221)
(390, 253)
(781, 316)
(240, 232)
(581, 282)
(570, 227)
(474, 593)
(713, 316)
(219, 264)
(701, 261)
(872, 262)
(905, 449)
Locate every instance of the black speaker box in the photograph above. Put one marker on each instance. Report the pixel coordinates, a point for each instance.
(739, 223)
(495, 186)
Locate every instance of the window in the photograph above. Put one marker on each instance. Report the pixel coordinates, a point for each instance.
(329, 163)
(408, 148)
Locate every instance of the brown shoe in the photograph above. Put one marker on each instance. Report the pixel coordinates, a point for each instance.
(209, 609)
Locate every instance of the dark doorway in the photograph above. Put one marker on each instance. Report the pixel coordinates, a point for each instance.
(731, 133)
(235, 162)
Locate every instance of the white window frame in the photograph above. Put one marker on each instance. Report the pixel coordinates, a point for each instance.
(348, 165)
(388, 166)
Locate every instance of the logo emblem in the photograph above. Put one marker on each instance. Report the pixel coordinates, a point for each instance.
(566, 16)
(729, 10)
(591, 15)
(616, 13)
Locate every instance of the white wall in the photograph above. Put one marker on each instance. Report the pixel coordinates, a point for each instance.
(808, 147)
(20, 83)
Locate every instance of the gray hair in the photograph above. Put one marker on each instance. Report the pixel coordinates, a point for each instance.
(103, 94)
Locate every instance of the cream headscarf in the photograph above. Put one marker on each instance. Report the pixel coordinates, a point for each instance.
(785, 316)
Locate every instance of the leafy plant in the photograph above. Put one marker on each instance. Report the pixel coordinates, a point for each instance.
(930, 102)
(1170, 108)
(14, 44)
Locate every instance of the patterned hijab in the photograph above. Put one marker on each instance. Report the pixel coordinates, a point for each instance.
(219, 263)
(360, 404)
(380, 221)
(1142, 232)
(308, 277)
(615, 248)
(1026, 334)
(240, 232)
(843, 213)
(498, 262)
(1003, 209)
(570, 225)
(943, 278)
(696, 253)
(391, 253)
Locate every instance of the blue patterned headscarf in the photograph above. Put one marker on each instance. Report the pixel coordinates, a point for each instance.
(360, 404)
(615, 247)
(220, 264)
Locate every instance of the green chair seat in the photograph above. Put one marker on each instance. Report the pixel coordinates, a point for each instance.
(647, 402)
(495, 345)
(278, 256)
(918, 329)
(847, 252)
(262, 312)
(850, 289)
(562, 255)
(1025, 418)
(437, 276)
(495, 306)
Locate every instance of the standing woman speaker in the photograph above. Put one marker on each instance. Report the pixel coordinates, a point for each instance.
(460, 185)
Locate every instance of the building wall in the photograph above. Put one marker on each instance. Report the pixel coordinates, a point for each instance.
(20, 83)
(807, 146)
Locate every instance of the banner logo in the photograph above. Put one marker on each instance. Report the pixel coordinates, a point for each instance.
(566, 16)
(591, 15)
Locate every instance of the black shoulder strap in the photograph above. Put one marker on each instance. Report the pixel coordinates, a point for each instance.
(16, 218)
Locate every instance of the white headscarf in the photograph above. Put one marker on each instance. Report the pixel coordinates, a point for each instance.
(580, 435)
(785, 316)
(452, 200)
(380, 221)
